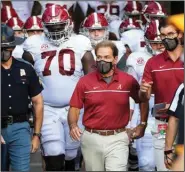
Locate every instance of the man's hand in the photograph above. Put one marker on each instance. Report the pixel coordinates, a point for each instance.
(75, 132)
(2, 140)
(145, 86)
(35, 144)
(168, 160)
(129, 132)
(138, 131)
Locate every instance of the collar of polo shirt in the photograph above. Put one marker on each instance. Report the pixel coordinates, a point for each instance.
(166, 55)
(115, 75)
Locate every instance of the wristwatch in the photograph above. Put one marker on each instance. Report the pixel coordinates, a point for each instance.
(143, 123)
(37, 134)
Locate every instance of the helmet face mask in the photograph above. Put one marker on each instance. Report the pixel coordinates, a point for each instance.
(95, 27)
(128, 24)
(58, 27)
(97, 35)
(152, 38)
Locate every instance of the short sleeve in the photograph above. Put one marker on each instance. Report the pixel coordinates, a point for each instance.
(77, 99)
(147, 75)
(176, 102)
(35, 86)
(132, 103)
(134, 92)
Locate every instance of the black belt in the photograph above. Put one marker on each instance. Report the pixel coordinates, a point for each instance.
(8, 120)
(162, 119)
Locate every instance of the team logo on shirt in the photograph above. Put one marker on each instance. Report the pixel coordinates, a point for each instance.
(119, 87)
(22, 72)
(140, 61)
(44, 47)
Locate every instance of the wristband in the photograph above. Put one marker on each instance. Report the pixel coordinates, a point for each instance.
(37, 134)
(168, 152)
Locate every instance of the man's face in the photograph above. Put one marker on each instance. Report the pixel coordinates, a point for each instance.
(19, 34)
(106, 54)
(169, 32)
(157, 47)
(6, 53)
(96, 33)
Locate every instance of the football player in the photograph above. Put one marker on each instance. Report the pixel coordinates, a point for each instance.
(60, 58)
(95, 27)
(32, 26)
(135, 66)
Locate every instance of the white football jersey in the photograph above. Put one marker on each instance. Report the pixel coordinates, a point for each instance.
(134, 38)
(114, 8)
(23, 9)
(59, 68)
(121, 50)
(136, 63)
(18, 51)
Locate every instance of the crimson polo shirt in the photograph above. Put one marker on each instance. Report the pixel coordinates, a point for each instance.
(166, 75)
(106, 106)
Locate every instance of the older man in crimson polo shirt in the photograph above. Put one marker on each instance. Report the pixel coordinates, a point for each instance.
(104, 94)
(162, 76)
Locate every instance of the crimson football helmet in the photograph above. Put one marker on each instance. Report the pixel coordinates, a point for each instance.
(33, 23)
(153, 10)
(15, 23)
(133, 8)
(57, 24)
(128, 24)
(152, 35)
(95, 21)
(7, 12)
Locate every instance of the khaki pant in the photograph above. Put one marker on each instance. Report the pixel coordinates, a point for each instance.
(159, 145)
(105, 153)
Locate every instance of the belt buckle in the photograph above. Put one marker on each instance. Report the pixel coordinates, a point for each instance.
(10, 120)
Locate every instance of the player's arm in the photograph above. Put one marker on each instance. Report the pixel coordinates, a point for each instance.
(146, 83)
(28, 57)
(76, 103)
(88, 63)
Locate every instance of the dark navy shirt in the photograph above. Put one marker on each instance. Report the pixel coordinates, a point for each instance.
(17, 84)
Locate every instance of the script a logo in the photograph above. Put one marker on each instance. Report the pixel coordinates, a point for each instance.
(119, 87)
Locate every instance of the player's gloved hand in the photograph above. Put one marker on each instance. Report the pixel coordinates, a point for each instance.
(138, 131)
(75, 132)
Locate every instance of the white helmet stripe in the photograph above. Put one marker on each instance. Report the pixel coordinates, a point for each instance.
(53, 10)
(130, 21)
(157, 25)
(34, 20)
(134, 5)
(8, 12)
(159, 6)
(95, 18)
(15, 21)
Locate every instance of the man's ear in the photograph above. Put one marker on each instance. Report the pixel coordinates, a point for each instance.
(181, 34)
(115, 60)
